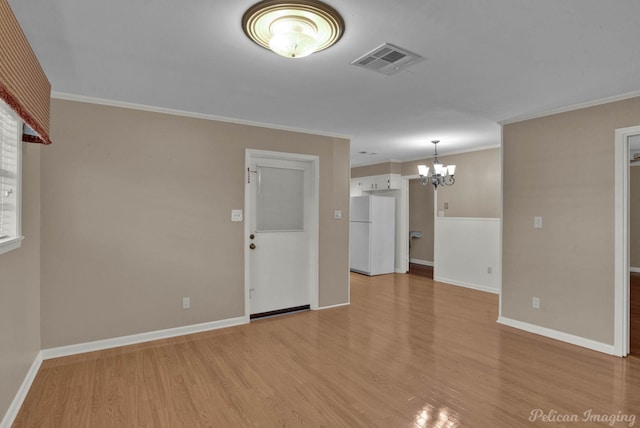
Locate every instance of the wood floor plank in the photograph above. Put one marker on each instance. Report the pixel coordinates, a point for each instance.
(407, 352)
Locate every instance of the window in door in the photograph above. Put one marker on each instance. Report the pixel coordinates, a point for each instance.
(280, 202)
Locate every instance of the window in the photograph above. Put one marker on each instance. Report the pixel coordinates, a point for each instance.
(10, 178)
(280, 203)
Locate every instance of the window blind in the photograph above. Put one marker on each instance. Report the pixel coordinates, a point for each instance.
(9, 173)
(23, 84)
(280, 201)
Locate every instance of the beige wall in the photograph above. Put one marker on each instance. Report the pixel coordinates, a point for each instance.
(376, 169)
(476, 192)
(136, 214)
(548, 169)
(421, 218)
(20, 288)
(634, 217)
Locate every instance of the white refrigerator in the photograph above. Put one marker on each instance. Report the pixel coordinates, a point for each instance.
(372, 229)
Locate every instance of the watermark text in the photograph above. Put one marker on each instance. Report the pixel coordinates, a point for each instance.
(587, 416)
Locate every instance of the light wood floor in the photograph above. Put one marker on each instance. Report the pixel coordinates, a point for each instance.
(407, 352)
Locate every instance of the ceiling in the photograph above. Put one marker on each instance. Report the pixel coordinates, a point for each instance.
(486, 61)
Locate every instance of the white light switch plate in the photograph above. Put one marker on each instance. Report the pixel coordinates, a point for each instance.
(337, 214)
(537, 222)
(236, 215)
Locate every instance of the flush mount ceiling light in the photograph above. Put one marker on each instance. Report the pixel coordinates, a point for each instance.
(442, 175)
(293, 29)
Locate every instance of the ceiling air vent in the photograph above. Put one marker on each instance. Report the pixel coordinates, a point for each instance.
(387, 59)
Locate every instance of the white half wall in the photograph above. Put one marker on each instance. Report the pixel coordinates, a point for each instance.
(467, 252)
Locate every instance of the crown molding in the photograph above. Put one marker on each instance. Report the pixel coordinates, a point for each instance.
(572, 107)
(143, 107)
(457, 152)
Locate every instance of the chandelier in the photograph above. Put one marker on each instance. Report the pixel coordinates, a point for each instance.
(293, 28)
(442, 175)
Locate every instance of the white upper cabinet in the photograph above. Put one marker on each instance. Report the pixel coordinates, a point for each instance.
(380, 182)
(356, 186)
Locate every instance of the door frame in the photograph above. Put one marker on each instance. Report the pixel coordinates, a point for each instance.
(404, 218)
(621, 240)
(250, 155)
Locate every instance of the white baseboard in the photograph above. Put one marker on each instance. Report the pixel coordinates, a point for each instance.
(634, 269)
(334, 306)
(15, 405)
(466, 285)
(98, 345)
(421, 262)
(559, 335)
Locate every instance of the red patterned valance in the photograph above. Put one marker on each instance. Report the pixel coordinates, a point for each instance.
(23, 84)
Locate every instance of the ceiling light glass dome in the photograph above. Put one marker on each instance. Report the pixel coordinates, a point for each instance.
(293, 29)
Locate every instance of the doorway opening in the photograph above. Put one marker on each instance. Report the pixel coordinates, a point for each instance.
(625, 138)
(634, 244)
(421, 228)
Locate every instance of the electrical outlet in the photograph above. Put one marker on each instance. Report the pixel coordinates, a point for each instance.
(535, 303)
(186, 303)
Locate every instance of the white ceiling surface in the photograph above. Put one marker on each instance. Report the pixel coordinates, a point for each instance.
(486, 61)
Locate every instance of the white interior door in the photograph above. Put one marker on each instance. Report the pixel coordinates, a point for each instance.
(282, 234)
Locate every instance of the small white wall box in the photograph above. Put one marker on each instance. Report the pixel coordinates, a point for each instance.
(236, 215)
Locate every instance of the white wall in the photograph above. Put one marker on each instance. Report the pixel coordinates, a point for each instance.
(466, 249)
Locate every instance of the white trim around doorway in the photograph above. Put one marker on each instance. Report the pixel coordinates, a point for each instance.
(250, 154)
(621, 240)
